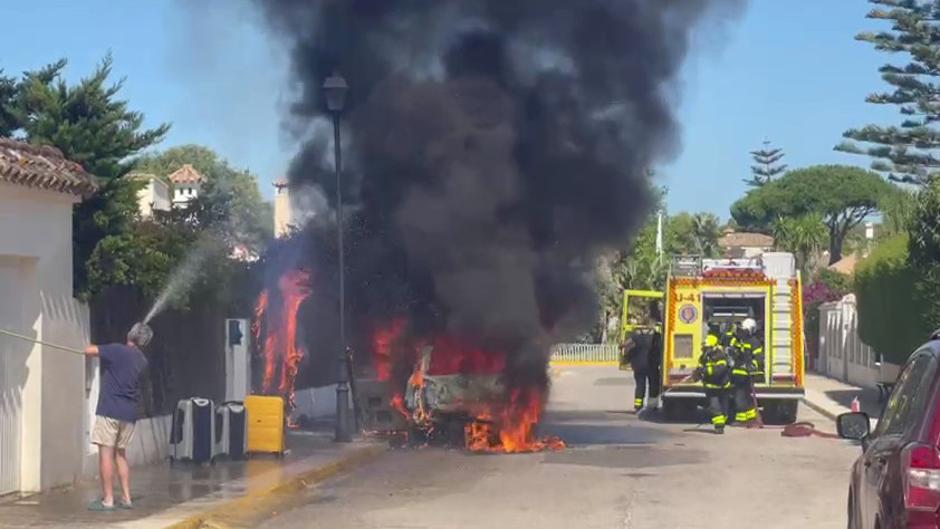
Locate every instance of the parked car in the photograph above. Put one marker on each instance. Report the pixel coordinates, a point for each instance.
(895, 482)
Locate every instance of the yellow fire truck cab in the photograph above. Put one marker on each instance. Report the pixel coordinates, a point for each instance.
(714, 293)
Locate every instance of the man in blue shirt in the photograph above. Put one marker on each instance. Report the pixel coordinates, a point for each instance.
(116, 414)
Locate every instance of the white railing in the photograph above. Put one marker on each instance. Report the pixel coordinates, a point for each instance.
(585, 352)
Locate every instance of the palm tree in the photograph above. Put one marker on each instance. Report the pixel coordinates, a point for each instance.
(706, 230)
(802, 236)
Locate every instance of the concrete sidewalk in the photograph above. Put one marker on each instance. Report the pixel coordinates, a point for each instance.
(190, 496)
(831, 397)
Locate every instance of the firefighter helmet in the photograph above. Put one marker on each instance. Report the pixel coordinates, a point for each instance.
(711, 340)
(749, 325)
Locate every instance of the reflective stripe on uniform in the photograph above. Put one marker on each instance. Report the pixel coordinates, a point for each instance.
(719, 420)
(738, 371)
(638, 403)
(716, 386)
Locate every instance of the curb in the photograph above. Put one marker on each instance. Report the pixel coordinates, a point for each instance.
(227, 513)
(820, 409)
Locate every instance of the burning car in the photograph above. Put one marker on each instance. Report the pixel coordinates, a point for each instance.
(443, 396)
(457, 395)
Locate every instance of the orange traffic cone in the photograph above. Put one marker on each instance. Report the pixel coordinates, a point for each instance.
(856, 405)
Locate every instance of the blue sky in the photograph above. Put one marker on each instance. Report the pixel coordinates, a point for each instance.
(789, 71)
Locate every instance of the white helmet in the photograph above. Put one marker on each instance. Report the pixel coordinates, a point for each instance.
(749, 325)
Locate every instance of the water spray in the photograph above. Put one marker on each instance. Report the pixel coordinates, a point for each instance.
(183, 276)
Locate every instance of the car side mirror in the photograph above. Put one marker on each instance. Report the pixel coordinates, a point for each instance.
(855, 426)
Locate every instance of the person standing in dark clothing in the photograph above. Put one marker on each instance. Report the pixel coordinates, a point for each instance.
(116, 414)
(644, 351)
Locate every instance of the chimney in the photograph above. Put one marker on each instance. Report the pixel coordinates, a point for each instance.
(282, 209)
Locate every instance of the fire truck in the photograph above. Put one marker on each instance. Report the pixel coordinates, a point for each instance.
(703, 294)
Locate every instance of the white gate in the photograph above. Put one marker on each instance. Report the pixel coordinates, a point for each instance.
(842, 355)
(13, 356)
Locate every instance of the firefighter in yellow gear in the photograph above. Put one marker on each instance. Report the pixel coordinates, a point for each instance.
(715, 372)
(742, 379)
(729, 338)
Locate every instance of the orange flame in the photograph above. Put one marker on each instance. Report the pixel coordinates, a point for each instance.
(382, 342)
(513, 431)
(282, 353)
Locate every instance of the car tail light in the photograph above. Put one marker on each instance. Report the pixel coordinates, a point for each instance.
(921, 477)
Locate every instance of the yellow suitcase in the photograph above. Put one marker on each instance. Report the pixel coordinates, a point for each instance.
(266, 423)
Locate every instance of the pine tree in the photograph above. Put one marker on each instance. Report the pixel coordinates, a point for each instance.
(906, 153)
(764, 169)
(92, 126)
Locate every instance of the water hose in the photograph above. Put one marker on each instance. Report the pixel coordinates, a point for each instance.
(40, 342)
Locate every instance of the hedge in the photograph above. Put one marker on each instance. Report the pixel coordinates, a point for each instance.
(892, 317)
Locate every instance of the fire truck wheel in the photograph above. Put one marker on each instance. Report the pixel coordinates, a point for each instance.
(783, 412)
(672, 409)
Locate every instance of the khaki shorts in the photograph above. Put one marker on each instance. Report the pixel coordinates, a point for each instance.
(112, 432)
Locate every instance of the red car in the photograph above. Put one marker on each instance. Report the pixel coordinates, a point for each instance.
(896, 481)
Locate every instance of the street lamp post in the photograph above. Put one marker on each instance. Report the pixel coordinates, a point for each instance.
(335, 89)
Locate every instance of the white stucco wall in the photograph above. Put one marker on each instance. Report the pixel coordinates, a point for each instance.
(282, 212)
(183, 193)
(36, 228)
(316, 403)
(155, 196)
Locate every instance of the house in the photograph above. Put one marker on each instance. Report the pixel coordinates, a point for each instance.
(43, 420)
(187, 182)
(154, 196)
(737, 245)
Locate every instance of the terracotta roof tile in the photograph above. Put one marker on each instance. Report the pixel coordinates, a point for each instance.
(741, 239)
(42, 167)
(186, 175)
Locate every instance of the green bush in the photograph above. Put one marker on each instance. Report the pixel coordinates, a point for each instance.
(827, 285)
(892, 316)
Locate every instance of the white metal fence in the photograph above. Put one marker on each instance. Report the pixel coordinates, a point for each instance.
(585, 352)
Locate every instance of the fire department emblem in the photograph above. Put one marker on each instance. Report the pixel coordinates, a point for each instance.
(688, 313)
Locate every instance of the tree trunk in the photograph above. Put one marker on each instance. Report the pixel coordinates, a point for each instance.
(836, 238)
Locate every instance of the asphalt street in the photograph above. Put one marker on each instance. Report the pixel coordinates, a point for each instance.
(618, 472)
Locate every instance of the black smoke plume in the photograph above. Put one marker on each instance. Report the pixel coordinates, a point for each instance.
(493, 148)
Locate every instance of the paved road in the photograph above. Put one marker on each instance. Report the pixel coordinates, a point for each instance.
(620, 472)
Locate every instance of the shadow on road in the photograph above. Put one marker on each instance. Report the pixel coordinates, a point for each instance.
(598, 427)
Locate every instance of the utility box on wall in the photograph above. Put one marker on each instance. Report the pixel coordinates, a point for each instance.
(237, 359)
